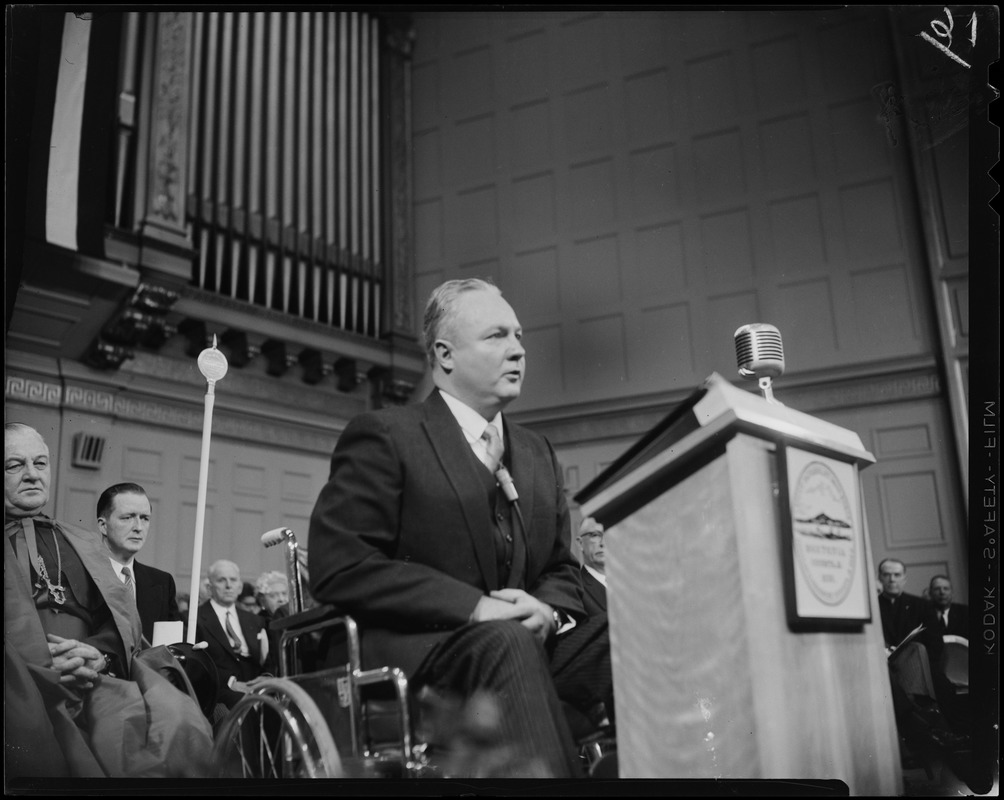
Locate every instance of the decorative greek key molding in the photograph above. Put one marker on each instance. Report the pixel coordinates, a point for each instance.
(89, 399)
(254, 431)
(33, 391)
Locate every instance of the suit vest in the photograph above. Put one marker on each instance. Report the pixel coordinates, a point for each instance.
(509, 548)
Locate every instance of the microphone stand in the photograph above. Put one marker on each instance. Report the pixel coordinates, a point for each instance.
(213, 366)
(767, 389)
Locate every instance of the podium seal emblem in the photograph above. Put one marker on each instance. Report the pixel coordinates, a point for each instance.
(824, 540)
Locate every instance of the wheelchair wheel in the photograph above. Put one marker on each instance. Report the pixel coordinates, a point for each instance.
(276, 731)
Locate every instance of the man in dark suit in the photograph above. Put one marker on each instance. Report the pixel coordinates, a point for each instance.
(455, 560)
(593, 570)
(901, 612)
(124, 523)
(923, 698)
(236, 640)
(947, 618)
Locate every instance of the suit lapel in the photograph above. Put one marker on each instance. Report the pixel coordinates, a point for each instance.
(594, 587)
(146, 585)
(522, 467)
(116, 596)
(250, 636)
(210, 623)
(453, 453)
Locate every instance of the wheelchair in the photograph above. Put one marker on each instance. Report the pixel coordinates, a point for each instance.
(327, 717)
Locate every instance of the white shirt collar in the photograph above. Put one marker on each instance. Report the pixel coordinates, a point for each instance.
(118, 567)
(470, 421)
(221, 611)
(596, 574)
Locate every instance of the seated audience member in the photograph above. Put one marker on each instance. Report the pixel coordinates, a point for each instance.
(922, 695)
(457, 576)
(182, 601)
(237, 641)
(124, 524)
(80, 700)
(272, 591)
(947, 618)
(950, 619)
(248, 599)
(902, 613)
(592, 572)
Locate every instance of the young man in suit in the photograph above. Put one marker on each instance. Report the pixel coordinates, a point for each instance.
(124, 524)
(460, 572)
(236, 641)
(593, 570)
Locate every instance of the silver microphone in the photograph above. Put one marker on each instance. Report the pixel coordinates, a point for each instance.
(505, 481)
(760, 355)
(275, 536)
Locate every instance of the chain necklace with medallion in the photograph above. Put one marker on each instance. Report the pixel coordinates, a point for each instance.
(56, 591)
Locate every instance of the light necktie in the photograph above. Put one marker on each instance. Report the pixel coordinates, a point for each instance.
(235, 641)
(494, 448)
(129, 582)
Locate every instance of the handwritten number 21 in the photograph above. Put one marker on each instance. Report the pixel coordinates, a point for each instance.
(943, 30)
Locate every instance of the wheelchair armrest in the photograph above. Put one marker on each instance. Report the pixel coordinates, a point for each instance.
(313, 625)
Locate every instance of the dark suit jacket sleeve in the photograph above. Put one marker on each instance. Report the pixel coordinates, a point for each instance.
(356, 558)
(558, 584)
(157, 597)
(209, 630)
(252, 626)
(173, 612)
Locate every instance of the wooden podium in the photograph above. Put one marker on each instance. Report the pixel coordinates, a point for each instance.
(745, 631)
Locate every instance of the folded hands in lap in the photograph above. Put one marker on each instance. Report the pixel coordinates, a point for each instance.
(77, 663)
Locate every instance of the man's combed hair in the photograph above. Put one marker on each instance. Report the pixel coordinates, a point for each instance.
(107, 499)
(885, 561)
(219, 564)
(20, 427)
(441, 309)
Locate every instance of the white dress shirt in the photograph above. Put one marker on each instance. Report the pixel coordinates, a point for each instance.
(132, 569)
(118, 568)
(473, 424)
(235, 623)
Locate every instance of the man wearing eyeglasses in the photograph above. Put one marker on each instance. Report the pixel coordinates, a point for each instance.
(592, 573)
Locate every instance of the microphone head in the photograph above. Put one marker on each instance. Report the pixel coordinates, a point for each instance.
(759, 352)
(276, 535)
